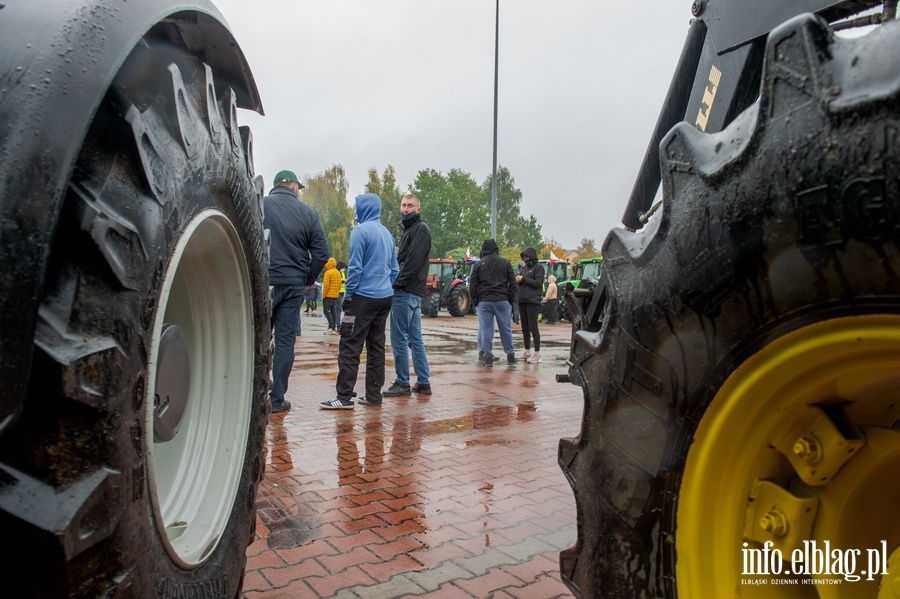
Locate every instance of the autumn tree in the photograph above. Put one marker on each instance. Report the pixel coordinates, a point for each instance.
(550, 245)
(587, 249)
(326, 193)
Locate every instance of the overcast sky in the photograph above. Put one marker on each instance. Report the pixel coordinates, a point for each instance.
(410, 83)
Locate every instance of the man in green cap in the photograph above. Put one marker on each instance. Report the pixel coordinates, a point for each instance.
(297, 252)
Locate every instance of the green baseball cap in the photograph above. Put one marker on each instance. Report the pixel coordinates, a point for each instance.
(287, 177)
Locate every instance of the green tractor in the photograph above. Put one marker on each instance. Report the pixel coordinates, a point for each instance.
(445, 288)
(739, 352)
(583, 274)
(588, 269)
(558, 268)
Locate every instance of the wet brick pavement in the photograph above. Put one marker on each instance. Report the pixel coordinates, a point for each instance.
(453, 495)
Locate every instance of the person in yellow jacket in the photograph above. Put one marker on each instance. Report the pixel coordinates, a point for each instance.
(342, 268)
(331, 289)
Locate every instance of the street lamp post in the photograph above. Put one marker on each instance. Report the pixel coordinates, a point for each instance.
(494, 176)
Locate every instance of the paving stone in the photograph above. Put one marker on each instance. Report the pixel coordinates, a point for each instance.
(453, 495)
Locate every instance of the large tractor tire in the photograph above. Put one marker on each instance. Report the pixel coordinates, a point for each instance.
(740, 358)
(431, 305)
(139, 451)
(458, 301)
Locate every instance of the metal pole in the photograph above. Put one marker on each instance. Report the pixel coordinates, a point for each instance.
(494, 176)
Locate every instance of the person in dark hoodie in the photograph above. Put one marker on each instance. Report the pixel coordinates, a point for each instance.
(492, 286)
(531, 291)
(297, 252)
(371, 271)
(406, 311)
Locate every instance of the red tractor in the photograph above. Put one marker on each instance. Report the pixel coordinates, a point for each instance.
(446, 288)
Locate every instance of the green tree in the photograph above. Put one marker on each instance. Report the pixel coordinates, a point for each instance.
(513, 229)
(326, 193)
(453, 208)
(386, 188)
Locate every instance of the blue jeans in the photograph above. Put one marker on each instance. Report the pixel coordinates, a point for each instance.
(488, 312)
(286, 302)
(406, 334)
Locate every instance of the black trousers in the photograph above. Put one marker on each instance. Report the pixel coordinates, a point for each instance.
(551, 311)
(530, 330)
(330, 306)
(371, 316)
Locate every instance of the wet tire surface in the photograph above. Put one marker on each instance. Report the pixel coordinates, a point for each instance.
(785, 219)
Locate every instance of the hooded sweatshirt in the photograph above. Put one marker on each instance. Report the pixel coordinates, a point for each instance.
(552, 291)
(331, 282)
(372, 268)
(531, 287)
(492, 278)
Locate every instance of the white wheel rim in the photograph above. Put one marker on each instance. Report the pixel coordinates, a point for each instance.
(194, 477)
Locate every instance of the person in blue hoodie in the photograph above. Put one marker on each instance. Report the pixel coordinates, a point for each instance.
(368, 294)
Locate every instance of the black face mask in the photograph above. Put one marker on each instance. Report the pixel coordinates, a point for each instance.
(409, 216)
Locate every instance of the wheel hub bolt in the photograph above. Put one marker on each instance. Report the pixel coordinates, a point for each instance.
(774, 522)
(808, 448)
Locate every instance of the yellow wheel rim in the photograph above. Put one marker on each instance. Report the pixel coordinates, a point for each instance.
(755, 439)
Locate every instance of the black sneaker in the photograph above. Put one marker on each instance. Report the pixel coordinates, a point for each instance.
(481, 357)
(282, 406)
(396, 390)
(422, 389)
(369, 402)
(487, 362)
(511, 358)
(337, 404)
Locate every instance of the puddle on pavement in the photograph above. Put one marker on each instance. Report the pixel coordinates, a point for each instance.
(290, 523)
(362, 449)
(485, 417)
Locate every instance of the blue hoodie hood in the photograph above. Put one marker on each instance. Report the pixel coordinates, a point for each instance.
(368, 207)
(372, 268)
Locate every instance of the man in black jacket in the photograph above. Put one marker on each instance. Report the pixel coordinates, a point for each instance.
(297, 252)
(406, 311)
(492, 287)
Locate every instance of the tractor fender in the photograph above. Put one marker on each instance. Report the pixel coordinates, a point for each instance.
(57, 60)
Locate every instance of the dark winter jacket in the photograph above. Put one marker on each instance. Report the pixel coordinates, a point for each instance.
(531, 287)
(297, 246)
(412, 255)
(492, 278)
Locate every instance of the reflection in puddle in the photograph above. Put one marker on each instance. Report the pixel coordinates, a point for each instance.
(290, 523)
(484, 418)
(368, 456)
